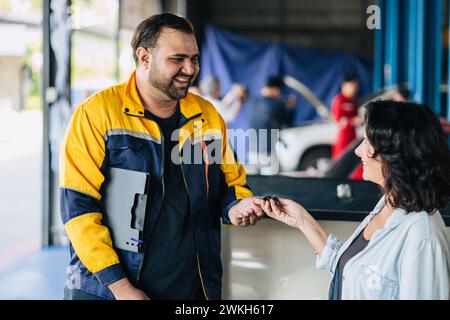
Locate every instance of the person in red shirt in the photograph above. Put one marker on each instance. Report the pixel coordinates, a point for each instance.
(344, 109)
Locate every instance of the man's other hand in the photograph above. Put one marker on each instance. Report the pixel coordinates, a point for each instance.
(124, 290)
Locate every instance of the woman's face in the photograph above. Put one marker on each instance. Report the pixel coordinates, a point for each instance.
(372, 166)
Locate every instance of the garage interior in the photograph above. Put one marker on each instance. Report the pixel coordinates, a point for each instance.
(73, 55)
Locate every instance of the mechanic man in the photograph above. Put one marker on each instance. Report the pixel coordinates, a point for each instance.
(146, 124)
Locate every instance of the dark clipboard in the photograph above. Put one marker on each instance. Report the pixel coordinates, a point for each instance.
(124, 201)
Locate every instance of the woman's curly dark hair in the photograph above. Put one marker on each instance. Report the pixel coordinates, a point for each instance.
(415, 154)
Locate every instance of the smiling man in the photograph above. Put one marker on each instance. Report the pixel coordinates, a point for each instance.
(138, 126)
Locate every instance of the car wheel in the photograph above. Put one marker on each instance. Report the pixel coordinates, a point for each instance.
(317, 159)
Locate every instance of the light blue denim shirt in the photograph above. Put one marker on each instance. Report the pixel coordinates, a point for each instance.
(407, 259)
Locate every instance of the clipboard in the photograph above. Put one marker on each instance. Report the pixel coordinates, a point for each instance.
(124, 202)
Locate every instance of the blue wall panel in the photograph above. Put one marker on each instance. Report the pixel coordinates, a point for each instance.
(408, 48)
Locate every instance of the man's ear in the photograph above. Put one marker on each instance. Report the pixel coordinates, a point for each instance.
(144, 57)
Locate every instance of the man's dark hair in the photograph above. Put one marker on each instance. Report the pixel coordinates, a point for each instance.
(414, 153)
(275, 82)
(147, 32)
(349, 77)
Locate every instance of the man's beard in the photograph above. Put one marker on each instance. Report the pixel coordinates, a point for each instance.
(168, 87)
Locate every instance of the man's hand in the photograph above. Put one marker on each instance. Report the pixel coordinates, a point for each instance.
(240, 91)
(124, 290)
(246, 213)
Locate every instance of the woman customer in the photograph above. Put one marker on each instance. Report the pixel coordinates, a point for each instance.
(401, 250)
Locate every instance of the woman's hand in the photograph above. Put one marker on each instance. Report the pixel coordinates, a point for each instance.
(294, 215)
(286, 211)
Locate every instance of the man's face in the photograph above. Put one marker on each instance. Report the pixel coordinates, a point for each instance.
(350, 88)
(174, 63)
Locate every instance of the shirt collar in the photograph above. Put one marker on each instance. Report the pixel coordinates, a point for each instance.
(132, 104)
(190, 107)
(394, 219)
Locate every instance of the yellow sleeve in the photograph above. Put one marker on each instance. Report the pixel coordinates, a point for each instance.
(81, 165)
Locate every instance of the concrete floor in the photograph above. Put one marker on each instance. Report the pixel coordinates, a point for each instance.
(20, 184)
(39, 276)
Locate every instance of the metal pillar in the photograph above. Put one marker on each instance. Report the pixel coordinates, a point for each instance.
(411, 41)
(391, 67)
(412, 45)
(55, 94)
(448, 70)
(378, 77)
(433, 71)
(117, 39)
(46, 83)
(419, 76)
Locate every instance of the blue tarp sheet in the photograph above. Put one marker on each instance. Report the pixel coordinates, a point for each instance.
(232, 58)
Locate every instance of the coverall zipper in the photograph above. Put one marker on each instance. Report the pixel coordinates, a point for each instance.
(141, 264)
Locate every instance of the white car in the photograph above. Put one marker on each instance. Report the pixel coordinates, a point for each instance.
(306, 147)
